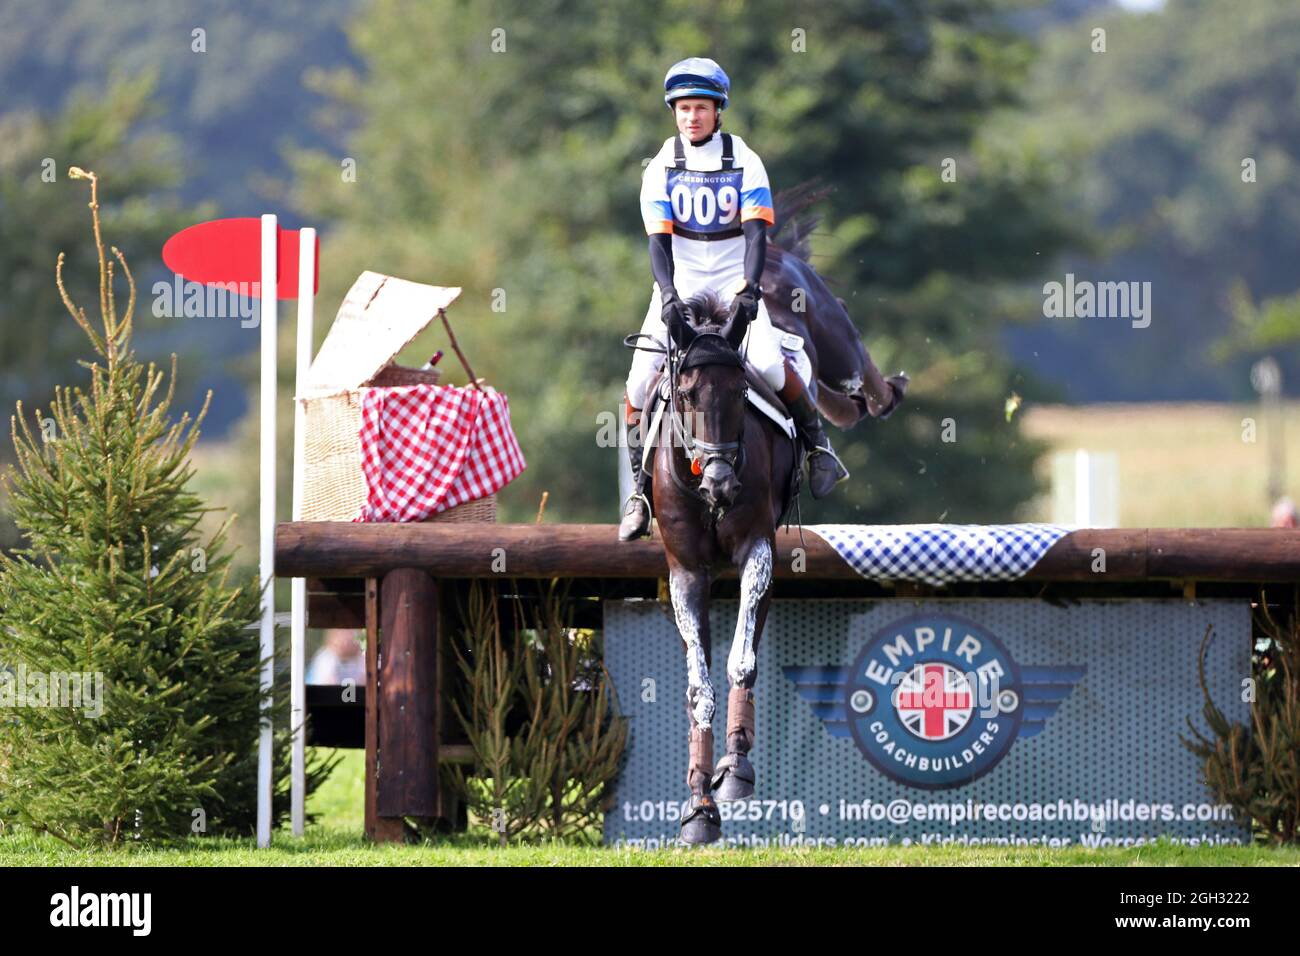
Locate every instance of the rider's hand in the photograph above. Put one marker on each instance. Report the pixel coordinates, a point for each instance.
(745, 305)
(673, 310)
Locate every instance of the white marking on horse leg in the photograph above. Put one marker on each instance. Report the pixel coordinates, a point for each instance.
(755, 579)
(697, 669)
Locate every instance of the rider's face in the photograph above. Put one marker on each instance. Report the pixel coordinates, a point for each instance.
(696, 116)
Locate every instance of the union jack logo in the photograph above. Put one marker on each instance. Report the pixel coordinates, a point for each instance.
(934, 701)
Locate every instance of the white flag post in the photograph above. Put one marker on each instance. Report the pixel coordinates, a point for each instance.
(298, 588)
(269, 282)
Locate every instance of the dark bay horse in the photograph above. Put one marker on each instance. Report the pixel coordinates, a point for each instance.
(720, 490)
(849, 386)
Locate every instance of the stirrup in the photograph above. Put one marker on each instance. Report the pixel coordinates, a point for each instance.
(649, 516)
(842, 473)
(638, 496)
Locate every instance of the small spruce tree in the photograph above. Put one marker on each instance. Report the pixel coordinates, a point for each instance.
(131, 677)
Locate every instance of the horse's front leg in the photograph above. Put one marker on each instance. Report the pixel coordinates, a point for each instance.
(734, 777)
(689, 591)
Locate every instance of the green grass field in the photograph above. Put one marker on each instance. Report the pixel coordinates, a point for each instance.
(336, 840)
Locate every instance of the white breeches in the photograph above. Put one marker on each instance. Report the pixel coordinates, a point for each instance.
(761, 345)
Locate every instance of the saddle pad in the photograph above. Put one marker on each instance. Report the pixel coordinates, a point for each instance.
(939, 553)
(783, 421)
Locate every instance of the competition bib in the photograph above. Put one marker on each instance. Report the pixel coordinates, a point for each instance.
(705, 205)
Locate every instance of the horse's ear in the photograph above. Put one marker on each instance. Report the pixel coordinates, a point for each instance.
(734, 331)
(683, 333)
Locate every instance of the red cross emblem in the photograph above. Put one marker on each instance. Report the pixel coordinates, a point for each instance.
(934, 701)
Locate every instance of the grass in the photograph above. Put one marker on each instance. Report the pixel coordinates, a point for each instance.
(336, 840)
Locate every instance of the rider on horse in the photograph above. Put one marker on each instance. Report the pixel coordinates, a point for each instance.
(707, 205)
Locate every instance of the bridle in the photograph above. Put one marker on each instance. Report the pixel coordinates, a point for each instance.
(732, 453)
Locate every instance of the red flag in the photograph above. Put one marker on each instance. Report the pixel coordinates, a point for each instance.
(230, 250)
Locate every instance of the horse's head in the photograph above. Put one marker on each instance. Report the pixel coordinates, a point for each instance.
(710, 392)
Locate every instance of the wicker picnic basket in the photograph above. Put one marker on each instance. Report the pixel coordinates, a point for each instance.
(379, 317)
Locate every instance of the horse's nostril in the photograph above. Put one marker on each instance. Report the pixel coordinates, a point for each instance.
(723, 493)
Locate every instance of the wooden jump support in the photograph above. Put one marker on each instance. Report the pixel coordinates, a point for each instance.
(402, 567)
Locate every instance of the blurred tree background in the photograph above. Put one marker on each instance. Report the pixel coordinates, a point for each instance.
(1163, 125)
(499, 147)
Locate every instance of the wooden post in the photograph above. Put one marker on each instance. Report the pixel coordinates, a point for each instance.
(377, 829)
(408, 697)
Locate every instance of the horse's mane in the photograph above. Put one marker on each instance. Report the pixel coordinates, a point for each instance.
(793, 227)
(707, 310)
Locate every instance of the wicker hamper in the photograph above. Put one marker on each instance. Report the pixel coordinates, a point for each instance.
(379, 317)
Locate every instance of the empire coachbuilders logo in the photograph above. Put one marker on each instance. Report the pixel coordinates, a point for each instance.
(934, 701)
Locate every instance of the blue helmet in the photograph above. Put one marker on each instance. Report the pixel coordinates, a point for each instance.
(696, 76)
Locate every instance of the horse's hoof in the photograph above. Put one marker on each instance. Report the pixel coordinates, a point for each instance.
(733, 778)
(702, 822)
(898, 385)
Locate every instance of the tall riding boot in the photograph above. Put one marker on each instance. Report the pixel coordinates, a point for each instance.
(825, 469)
(636, 512)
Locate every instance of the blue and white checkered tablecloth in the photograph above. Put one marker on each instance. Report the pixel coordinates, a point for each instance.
(939, 553)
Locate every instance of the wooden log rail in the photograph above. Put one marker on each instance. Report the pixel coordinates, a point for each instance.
(341, 549)
(407, 666)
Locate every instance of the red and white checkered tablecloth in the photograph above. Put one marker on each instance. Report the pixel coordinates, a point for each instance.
(427, 448)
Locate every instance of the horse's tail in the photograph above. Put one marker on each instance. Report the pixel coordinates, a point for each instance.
(793, 226)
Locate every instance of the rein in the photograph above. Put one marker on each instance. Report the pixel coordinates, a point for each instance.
(731, 452)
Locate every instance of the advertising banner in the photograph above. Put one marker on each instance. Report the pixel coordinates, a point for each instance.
(941, 721)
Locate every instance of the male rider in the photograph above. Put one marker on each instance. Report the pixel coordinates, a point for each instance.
(707, 206)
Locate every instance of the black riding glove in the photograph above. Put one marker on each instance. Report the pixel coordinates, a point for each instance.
(745, 305)
(673, 310)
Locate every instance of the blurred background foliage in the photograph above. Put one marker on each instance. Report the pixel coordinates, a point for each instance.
(509, 162)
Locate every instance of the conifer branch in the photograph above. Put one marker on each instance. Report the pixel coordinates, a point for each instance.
(130, 302)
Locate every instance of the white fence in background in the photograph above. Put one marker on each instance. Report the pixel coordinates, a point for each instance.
(1085, 489)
